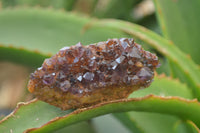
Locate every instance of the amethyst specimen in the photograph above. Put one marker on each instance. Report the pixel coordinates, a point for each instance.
(81, 76)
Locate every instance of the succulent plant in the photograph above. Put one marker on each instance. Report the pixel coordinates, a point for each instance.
(169, 105)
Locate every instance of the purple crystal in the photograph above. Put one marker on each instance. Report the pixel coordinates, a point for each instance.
(61, 60)
(114, 65)
(133, 79)
(76, 60)
(64, 48)
(61, 75)
(145, 73)
(130, 62)
(40, 68)
(124, 43)
(79, 44)
(80, 50)
(92, 65)
(134, 53)
(80, 78)
(65, 85)
(88, 76)
(49, 78)
(120, 59)
(48, 62)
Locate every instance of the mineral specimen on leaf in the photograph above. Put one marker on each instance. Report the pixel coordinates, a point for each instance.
(81, 76)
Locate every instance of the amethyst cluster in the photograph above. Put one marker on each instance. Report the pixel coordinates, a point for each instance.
(80, 76)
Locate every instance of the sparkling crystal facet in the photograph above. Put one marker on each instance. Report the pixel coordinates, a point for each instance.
(80, 78)
(145, 73)
(134, 53)
(88, 76)
(120, 59)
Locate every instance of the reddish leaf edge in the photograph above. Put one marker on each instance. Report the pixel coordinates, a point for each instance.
(26, 57)
(17, 108)
(35, 51)
(146, 104)
(193, 125)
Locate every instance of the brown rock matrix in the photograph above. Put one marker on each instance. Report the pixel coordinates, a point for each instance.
(81, 76)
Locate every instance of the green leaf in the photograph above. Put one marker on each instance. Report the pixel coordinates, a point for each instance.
(28, 115)
(153, 122)
(151, 23)
(108, 124)
(129, 122)
(183, 109)
(115, 9)
(164, 86)
(186, 127)
(6, 3)
(58, 4)
(81, 127)
(148, 122)
(31, 115)
(186, 65)
(180, 24)
(22, 56)
(37, 29)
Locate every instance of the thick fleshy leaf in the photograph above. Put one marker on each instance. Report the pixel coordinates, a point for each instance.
(19, 55)
(108, 124)
(158, 104)
(37, 29)
(152, 122)
(34, 113)
(169, 105)
(190, 70)
(81, 127)
(115, 9)
(186, 127)
(165, 86)
(129, 122)
(179, 24)
(64, 4)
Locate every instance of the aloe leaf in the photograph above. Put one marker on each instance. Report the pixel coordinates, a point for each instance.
(52, 29)
(81, 127)
(19, 55)
(186, 127)
(183, 109)
(30, 114)
(108, 124)
(152, 122)
(151, 23)
(179, 24)
(165, 86)
(129, 122)
(69, 4)
(186, 65)
(172, 105)
(58, 4)
(115, 9)
(6, 3)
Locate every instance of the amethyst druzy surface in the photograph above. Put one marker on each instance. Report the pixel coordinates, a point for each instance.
(80, 76)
